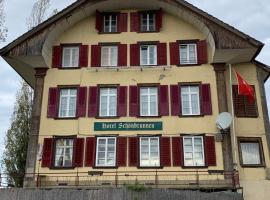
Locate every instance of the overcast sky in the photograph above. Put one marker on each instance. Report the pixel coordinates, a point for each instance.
(248, 16)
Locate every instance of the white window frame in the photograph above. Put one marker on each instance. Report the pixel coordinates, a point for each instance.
(189, 93)
(149, 152)
(108, 95)
(64, 147)
(68, 102)
(106, 152)
(193, 151)
(70, 49)
(188, 61)
(109, 58)
(148, 55)
(149, 94)
(110, 23)
(148, 22)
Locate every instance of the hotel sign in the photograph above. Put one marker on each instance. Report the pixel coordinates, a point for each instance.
(127, 126)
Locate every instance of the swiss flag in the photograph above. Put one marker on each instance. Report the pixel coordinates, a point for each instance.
(244, 88)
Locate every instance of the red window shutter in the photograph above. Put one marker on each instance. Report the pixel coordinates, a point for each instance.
(239, 102)
(81, 101)
(95, 55)
(99, 21)
(93, 102)
(83, 61)
(57, 57)
(175, 100)
(174, 53)
(122, 55)
(165, 151)
(133, 145)
(121, 151)
(163, 100)
(242, 107)
(78, 152)
(135, 55)
(206, 103)
(53, 103)
(177, 151)
(90, 153)
(122, 101)
(159, 14)
(210, 151)
(251, 108)
(135, 22)
(202, 52)
(47, 152)
(162, 53)
(133, 101)
(122, 22)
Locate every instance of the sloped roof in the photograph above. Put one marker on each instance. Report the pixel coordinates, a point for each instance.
(79, 3)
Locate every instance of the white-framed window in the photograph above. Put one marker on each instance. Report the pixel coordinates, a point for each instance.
(70, 57)
(251, 153)
(108, 102)
(190, 97)
(109, 56)
(193, 151)
(106, 151)
(149, 152)
(148, 22)
(110, 23)
(148, 101)
(148, 55)
(68, 102)
(63, 152)
(188, 53)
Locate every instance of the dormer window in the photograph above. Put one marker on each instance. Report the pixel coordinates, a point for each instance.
(148, 22)
(110, 23)
(70, 57)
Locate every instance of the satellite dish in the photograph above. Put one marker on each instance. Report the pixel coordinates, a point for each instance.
(224, 120)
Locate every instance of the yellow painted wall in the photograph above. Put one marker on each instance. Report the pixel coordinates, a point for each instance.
(173, 29)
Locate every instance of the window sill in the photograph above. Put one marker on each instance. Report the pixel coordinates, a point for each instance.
(253, 166)
(188, 65)
(102, 32)
(113, 117)
(66, 118)
(130, 68)
(62, 168)
(149, 116)
(67, 68)
(105, 167)
(188, 116)
(194, 167)
(150, 167)
(148, 31)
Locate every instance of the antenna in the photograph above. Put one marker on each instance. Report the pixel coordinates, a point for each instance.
(224, 121)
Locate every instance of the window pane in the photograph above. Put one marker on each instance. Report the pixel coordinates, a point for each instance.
(250, 153)
(68, 100)
(63, 152)
(70, 57)
(106, 152)
(193, 151)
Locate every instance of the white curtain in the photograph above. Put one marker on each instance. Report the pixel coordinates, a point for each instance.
(250, 153)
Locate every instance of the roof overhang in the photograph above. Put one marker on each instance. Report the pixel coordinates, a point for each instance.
(32, 50)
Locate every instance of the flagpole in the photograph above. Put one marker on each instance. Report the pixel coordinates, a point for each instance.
(233, 132)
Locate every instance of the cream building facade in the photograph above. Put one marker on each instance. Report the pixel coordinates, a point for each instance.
(129, 92)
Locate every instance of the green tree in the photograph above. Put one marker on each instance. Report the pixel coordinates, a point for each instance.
(16, 141)
(14, 156)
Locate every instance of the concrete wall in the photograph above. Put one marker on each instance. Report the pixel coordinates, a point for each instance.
(113, 194)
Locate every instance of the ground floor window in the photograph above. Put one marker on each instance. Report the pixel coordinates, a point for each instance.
(193, 151)
(251, 153)
(63, 152)
(149, 152)
(106, 151)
